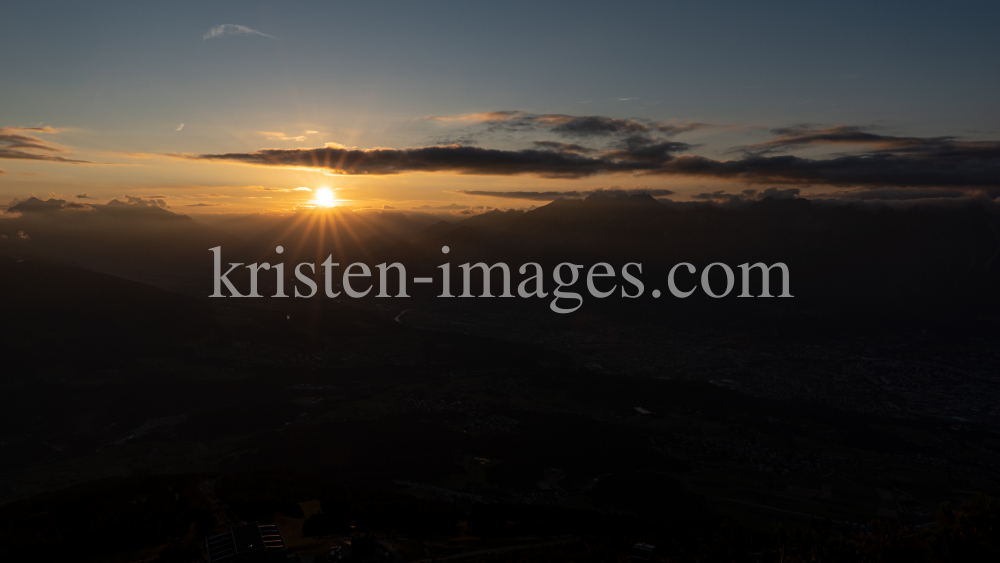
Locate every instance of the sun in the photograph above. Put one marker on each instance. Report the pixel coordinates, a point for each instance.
(324, 197)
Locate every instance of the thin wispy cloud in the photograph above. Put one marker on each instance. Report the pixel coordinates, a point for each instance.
(233, 29)
(16, 146)
(39, 129)
(449, 207)
(179, 127)
(300, 189)
(279, 136)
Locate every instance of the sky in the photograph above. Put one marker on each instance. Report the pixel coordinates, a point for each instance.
(231, 107)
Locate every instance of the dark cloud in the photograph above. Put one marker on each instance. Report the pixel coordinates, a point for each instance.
(85, 196)
(35, 205)
(942, 166)
(896, 194)
(573, 194)
(467, 139)
(564, 147)
(579, 126)
(671, 130)
(590, 126)
(202, 204)
(720, 196)
(452, 158)
(932, 162)
(646, 152)
(93, 218)
(537, 196)
(13, 146)
(639, 189)
(21, 155)
(449, 207)
(11, 140)
(804, 135)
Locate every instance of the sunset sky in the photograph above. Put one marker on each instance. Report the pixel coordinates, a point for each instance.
(178, 101)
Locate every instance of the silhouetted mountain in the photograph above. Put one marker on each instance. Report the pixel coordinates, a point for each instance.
(493, 222)
(57, 313)
(436, 230)
(859, 258)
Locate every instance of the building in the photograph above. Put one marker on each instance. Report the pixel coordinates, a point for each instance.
(247, 543)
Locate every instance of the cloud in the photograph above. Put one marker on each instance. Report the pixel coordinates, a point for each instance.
(641, 148)
(449, 207)
(84, 196)
(138, 209)
(280, 136)
(179, 127)
(11, 140)
(536, 196)
(148, 202)
(202, 204)
(588, 126)
(233, 29)
(897, 194)
(35, 205)
(564, 147)
(13, 146)
(485, 116)
(720, 196)
(451, 158)
(38, 129)
(806, 135)
(613, 191)
(969, 165)
(670, 129)
(299, 189)
(570, 125)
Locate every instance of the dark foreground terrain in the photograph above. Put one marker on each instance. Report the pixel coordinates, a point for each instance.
(136, 421)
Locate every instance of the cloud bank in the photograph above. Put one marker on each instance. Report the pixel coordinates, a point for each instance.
(597, 145)
(571, 194)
